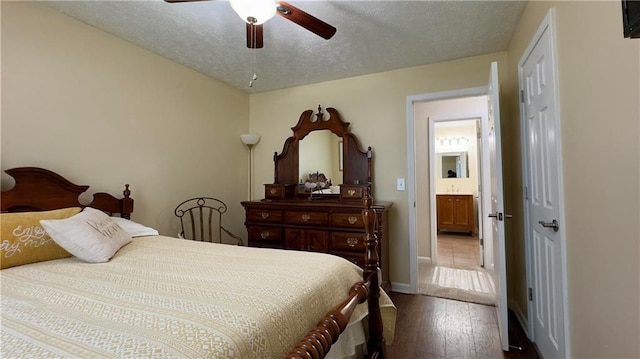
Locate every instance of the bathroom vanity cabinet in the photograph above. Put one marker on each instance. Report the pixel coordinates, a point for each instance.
(455, 213)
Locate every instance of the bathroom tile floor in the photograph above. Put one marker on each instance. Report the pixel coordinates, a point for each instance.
(458, 250)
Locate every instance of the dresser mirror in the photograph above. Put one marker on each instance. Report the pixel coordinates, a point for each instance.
(320, 153)
(322, 157)
(453, 165)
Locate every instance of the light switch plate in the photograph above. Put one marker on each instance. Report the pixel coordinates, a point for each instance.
(400, 185)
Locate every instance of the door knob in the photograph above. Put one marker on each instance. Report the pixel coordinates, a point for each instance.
(553, 225)
(498, 215)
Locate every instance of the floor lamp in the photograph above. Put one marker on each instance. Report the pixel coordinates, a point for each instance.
(250, 139)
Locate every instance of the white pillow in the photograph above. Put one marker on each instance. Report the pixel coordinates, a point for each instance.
(134, 229)
(90, 235)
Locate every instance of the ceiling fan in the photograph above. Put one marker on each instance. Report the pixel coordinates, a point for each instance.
(256, 12)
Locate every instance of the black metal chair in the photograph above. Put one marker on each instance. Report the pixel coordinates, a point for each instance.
(201, 220)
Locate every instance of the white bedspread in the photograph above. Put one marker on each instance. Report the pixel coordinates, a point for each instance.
(165, 297)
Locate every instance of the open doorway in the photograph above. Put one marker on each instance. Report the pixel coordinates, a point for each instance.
(492, 201)
(455, 172)
(446, 136)
(449, 203)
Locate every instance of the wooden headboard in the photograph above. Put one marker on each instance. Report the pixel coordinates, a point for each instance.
(38, 189)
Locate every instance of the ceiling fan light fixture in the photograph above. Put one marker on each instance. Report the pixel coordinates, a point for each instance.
(254, 12)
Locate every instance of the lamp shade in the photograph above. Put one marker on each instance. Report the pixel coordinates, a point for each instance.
(250, 139)
(254, 12)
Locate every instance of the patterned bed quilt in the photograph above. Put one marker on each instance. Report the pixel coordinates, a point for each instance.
(169, 298)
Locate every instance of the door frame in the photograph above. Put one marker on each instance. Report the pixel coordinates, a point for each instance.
(411, 171)
(432, 176)
(547, 24)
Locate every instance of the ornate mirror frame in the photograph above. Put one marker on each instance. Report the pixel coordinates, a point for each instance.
(356, 175)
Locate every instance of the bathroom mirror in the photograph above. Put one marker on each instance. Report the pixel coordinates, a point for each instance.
(453, 165)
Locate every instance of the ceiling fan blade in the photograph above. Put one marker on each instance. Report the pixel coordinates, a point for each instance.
(254, 36)
(305, 20)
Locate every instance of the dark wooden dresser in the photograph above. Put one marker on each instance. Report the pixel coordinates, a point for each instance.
(327, 226)
(322, 180)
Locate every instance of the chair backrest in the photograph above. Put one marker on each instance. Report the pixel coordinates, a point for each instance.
(201, 220)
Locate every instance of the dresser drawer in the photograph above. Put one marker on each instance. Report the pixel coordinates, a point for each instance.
(352, 191)
(265, 234)
(264, 215)
(347, 220)
(306, 217)
(343, 241)
(279, 191)
(306, 239)
(330, 225)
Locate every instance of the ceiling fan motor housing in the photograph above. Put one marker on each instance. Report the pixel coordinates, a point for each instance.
(254, 12)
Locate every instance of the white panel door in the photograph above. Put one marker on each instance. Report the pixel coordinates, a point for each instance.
(543, 198)
(479, 198)
(497, 206)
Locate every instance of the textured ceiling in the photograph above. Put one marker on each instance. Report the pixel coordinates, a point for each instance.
(372, 36)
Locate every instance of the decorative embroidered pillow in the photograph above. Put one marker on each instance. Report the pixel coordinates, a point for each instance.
(24, 241)
(134, 229)
(90, 235)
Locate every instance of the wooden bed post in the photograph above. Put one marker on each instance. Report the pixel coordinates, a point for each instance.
(127, 203)
(376, 346)
(318, 341)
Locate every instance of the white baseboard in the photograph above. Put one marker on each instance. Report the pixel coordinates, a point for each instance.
(405, 288)
(401, 288)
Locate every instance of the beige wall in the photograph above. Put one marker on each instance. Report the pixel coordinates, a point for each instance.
(104, 112)
(375, 105)
(119, 114)
(599, 93)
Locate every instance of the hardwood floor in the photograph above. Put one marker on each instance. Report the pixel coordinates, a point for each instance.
(430, 327)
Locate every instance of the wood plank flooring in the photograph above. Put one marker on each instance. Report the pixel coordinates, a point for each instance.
(434, 328)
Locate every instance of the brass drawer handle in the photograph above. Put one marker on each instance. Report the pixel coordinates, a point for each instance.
(352, 219)
(306, 217)
(265, 215)
(351, 192)
(352, 242)
(264, 234)
(273, 191)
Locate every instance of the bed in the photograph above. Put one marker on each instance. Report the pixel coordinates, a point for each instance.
(159, 296)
